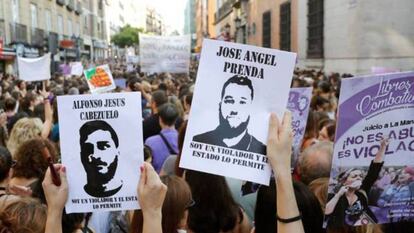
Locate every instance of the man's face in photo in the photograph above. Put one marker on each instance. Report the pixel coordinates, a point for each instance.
(101, 155)
(234, 106)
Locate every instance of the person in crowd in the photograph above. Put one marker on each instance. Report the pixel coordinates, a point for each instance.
(165, 143)
(151, 125)
(315, 162)
(187, 105)
(348, 205)
(6, 164)
(327, 133)
(31, 164)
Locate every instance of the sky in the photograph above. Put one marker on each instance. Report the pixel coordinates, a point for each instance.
(172, 12)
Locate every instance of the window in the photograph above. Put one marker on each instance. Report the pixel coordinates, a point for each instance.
(48, 18)
(315, 29)
(70, 28)
(60, 26)
(33, 15)
(285, 26)
(266, 32)
(77, 29)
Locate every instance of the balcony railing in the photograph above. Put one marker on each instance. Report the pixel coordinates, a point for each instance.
(224, 10)
(38, 37)
(18, 33)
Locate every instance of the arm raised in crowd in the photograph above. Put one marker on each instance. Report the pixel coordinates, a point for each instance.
(151, 195)
(56, 197)
(47, 125)
(279, 152)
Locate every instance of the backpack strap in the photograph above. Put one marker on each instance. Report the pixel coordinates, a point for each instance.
(170, 149)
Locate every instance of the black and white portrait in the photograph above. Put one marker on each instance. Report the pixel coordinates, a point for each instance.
(234, 115)
(99, 155)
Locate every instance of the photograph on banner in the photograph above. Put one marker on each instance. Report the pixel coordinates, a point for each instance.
(100, 79)
(373, 163)
(101, 147)
(34, 69)
(237, 88)
(298, 104)
(164, 53)
(76, 68)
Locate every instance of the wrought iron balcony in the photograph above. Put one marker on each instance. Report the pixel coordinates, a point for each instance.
(18, 33)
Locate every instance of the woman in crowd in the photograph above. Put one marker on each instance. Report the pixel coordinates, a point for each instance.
(349, 205)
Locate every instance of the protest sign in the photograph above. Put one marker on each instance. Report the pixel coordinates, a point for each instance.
(164, 53)
(34, 69)
(237, 88)
(372, 108)
(100, 79)
(101, 145)
(382, 70)
(298, 104)
(76, 68)
(132, 59)
(120, 82)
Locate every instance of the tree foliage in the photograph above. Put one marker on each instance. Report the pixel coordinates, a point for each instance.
(127, 36)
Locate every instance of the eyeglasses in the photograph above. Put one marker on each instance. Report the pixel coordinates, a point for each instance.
(190, 204)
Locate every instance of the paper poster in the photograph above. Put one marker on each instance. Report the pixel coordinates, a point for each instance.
(100, 79)
(132, 59)
(34, 69)
(165, 53)
(76, 68)
(101, 146)
(298, 104)
(371, 108)
(237, 88)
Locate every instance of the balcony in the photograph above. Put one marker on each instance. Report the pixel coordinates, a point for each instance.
(38, 37)
(224, 10)
(61, 2)
(78, 9)
(18, 33)
(71, 5)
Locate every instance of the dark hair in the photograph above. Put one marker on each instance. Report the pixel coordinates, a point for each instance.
(324, 86)
(162, 87)
(30, 162)
(5, 163)
(147, 152)
(10, 104)
(92, 126)
(215, 209)
(331, 129)
(159, 98)
(168, 113)
(239, 80)
(188, 99)
(308, 204)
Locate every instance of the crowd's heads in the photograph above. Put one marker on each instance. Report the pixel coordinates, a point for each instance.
(158, 98)
(24, 130)
(265, 212)
(30, 162)
(315, 161)
(27, 215)
(5, 163)
(168, 114)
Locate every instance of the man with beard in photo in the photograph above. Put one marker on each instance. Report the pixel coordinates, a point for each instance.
(99, 155)
(234, 115)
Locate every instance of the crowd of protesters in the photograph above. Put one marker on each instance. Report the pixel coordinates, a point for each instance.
(171, 199)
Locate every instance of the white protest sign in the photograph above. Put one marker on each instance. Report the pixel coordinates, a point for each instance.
(165, 53)
(76, 68)
(101, 145)
(132, 59)
(237, 88)
(298, 104)
(34, 69)
(100, 79)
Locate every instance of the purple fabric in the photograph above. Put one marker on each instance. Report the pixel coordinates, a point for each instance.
(160, 151)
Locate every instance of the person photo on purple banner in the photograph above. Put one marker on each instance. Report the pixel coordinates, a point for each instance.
(349, 205)
(234, 115)
(99, 155)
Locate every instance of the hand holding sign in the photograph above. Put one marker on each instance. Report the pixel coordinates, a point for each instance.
(56, 196)
(279, 147)
(151, 191)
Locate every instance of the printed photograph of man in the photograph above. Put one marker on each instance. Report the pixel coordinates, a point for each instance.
(99, 155)
(234, 115)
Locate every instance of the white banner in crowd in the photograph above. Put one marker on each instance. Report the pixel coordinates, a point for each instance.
(101, 145)
(132, 59)
(76, 68)
(34, 69)
(165, 53)
(237, 88)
